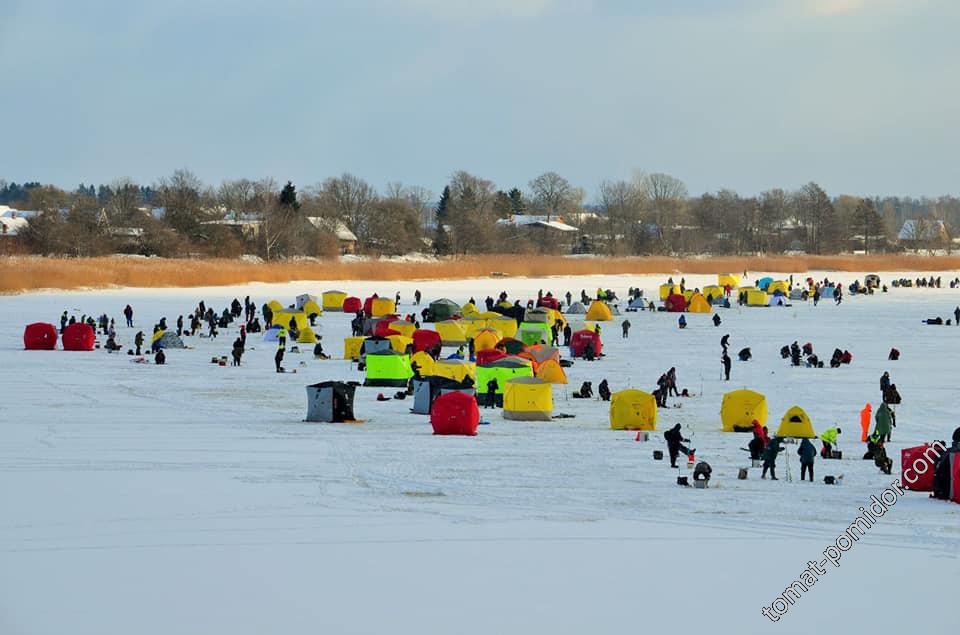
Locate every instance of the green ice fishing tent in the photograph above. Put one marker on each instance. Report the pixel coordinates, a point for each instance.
(387, 368)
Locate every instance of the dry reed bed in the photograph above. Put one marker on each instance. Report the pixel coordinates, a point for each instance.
(19, 274)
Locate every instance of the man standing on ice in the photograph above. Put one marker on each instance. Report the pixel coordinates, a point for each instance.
(675, 443)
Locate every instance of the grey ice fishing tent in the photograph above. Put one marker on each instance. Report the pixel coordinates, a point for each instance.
(330, 401)
(637, 304)
(442, 309)
(169, 340)
(576, 308)
(376, 344)
(427, 389)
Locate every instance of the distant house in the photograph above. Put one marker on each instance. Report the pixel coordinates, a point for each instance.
(346, 238)
(12, 223)
(546, 231)
(923, 233)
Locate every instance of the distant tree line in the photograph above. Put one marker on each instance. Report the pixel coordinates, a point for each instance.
(648, 214)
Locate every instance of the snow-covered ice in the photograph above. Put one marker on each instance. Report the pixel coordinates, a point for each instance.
(192, 498)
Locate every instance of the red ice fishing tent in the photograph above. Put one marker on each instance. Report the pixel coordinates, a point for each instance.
(455, 413)
(425, 339)
(488, 356)
(675, 303)
(580, 339)
(550, 302)
(917, 466)
(40, 336)
(352, 304)
(78, 337)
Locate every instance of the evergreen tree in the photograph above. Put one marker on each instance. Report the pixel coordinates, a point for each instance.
(288, 196)
(441, 242)
(516, 202)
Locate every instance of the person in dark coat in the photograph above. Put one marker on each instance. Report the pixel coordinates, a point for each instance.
(585, 392)
(770, 458)
(725, 342)
(138, 341)
(884, 422)
(795, 354)
(278, 360)
(237, 351)
(662, 391)
(716, 319)
(160, 358)
(884, 382)
(672, 383)
(675, 442)
(492, 387)
(604, 390)
(567, 334)
(745, 355)
(625, 325)
(756, 446)
(807, 453)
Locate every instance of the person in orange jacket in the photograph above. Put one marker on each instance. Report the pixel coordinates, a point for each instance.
(865, 419)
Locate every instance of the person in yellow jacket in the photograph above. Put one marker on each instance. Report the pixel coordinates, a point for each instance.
(829, 438)
(282, 338)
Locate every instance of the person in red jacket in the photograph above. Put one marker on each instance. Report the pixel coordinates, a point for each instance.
(761, 432)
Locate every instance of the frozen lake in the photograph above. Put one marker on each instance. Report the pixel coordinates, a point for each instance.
(191, 498)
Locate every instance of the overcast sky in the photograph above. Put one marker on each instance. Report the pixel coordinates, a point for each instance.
(862, 96)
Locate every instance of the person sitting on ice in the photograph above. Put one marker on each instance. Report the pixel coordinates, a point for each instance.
(160, 357)
(894, 355)
(604, 390)
(111, 344)
(682, 322)
(829, 439)
(745, 355)
(702, 471)
(318, 349)
(585, 392)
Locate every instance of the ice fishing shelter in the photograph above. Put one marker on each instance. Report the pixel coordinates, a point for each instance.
(599, 311)
(472, 325)
(796, 423)
(382, 306)
(168, 339)
(407, 329)
(303, 299)
(667, 290)
(506, 325)
(533, 333)
(539, 314)
(511, 346)
(764, 283)
(423, 362)
(469, 310)
(872, 281)
(333, 300)
(485, 339)
(78, 337)
(782, 286)
(455, 369)
(527, 399)
(728, 280)
(455, 413)
(377, 344)
(451, 333)
(714, 292)
(551, 372)
(401, 343)
(286, 316)
(576, 308)
(776, 300)
(676, 303)
(550, 302)
(351, 347)
(502, 370)
(442, 309)
(425, 339)
(580, 340)
(352, 304)
(40, 336)
(740, 408)
(330, 401)
(489, 356)
(427, 389)
(387, 368)
(633, 409)
(756, 297)
(698, 304)
(796, 294)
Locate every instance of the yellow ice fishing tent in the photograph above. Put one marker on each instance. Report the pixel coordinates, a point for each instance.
(451, 333)
(698, 304)
(424, 362)
(275, 306)
(490, 315)
(382, 306)
(472, 326)
(469, 310)
(756, 297)
(310, 307)
(728, 280)
(599, 312)
(486, 339)
(667, 290)
(741, 408)
(796, 423)
(713, 291)
(527, 399)
(333, 300)
(400, 343)
(506, 325)
(307, 336)
(283, 319)
(633, 409)
(456, 369)
(779, 285)
(351, 347)
(403, 327)
(551, 372)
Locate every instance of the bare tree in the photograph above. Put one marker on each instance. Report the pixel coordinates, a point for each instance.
(621, 203)
(350, 199)
(554, 194)
(665, 197)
